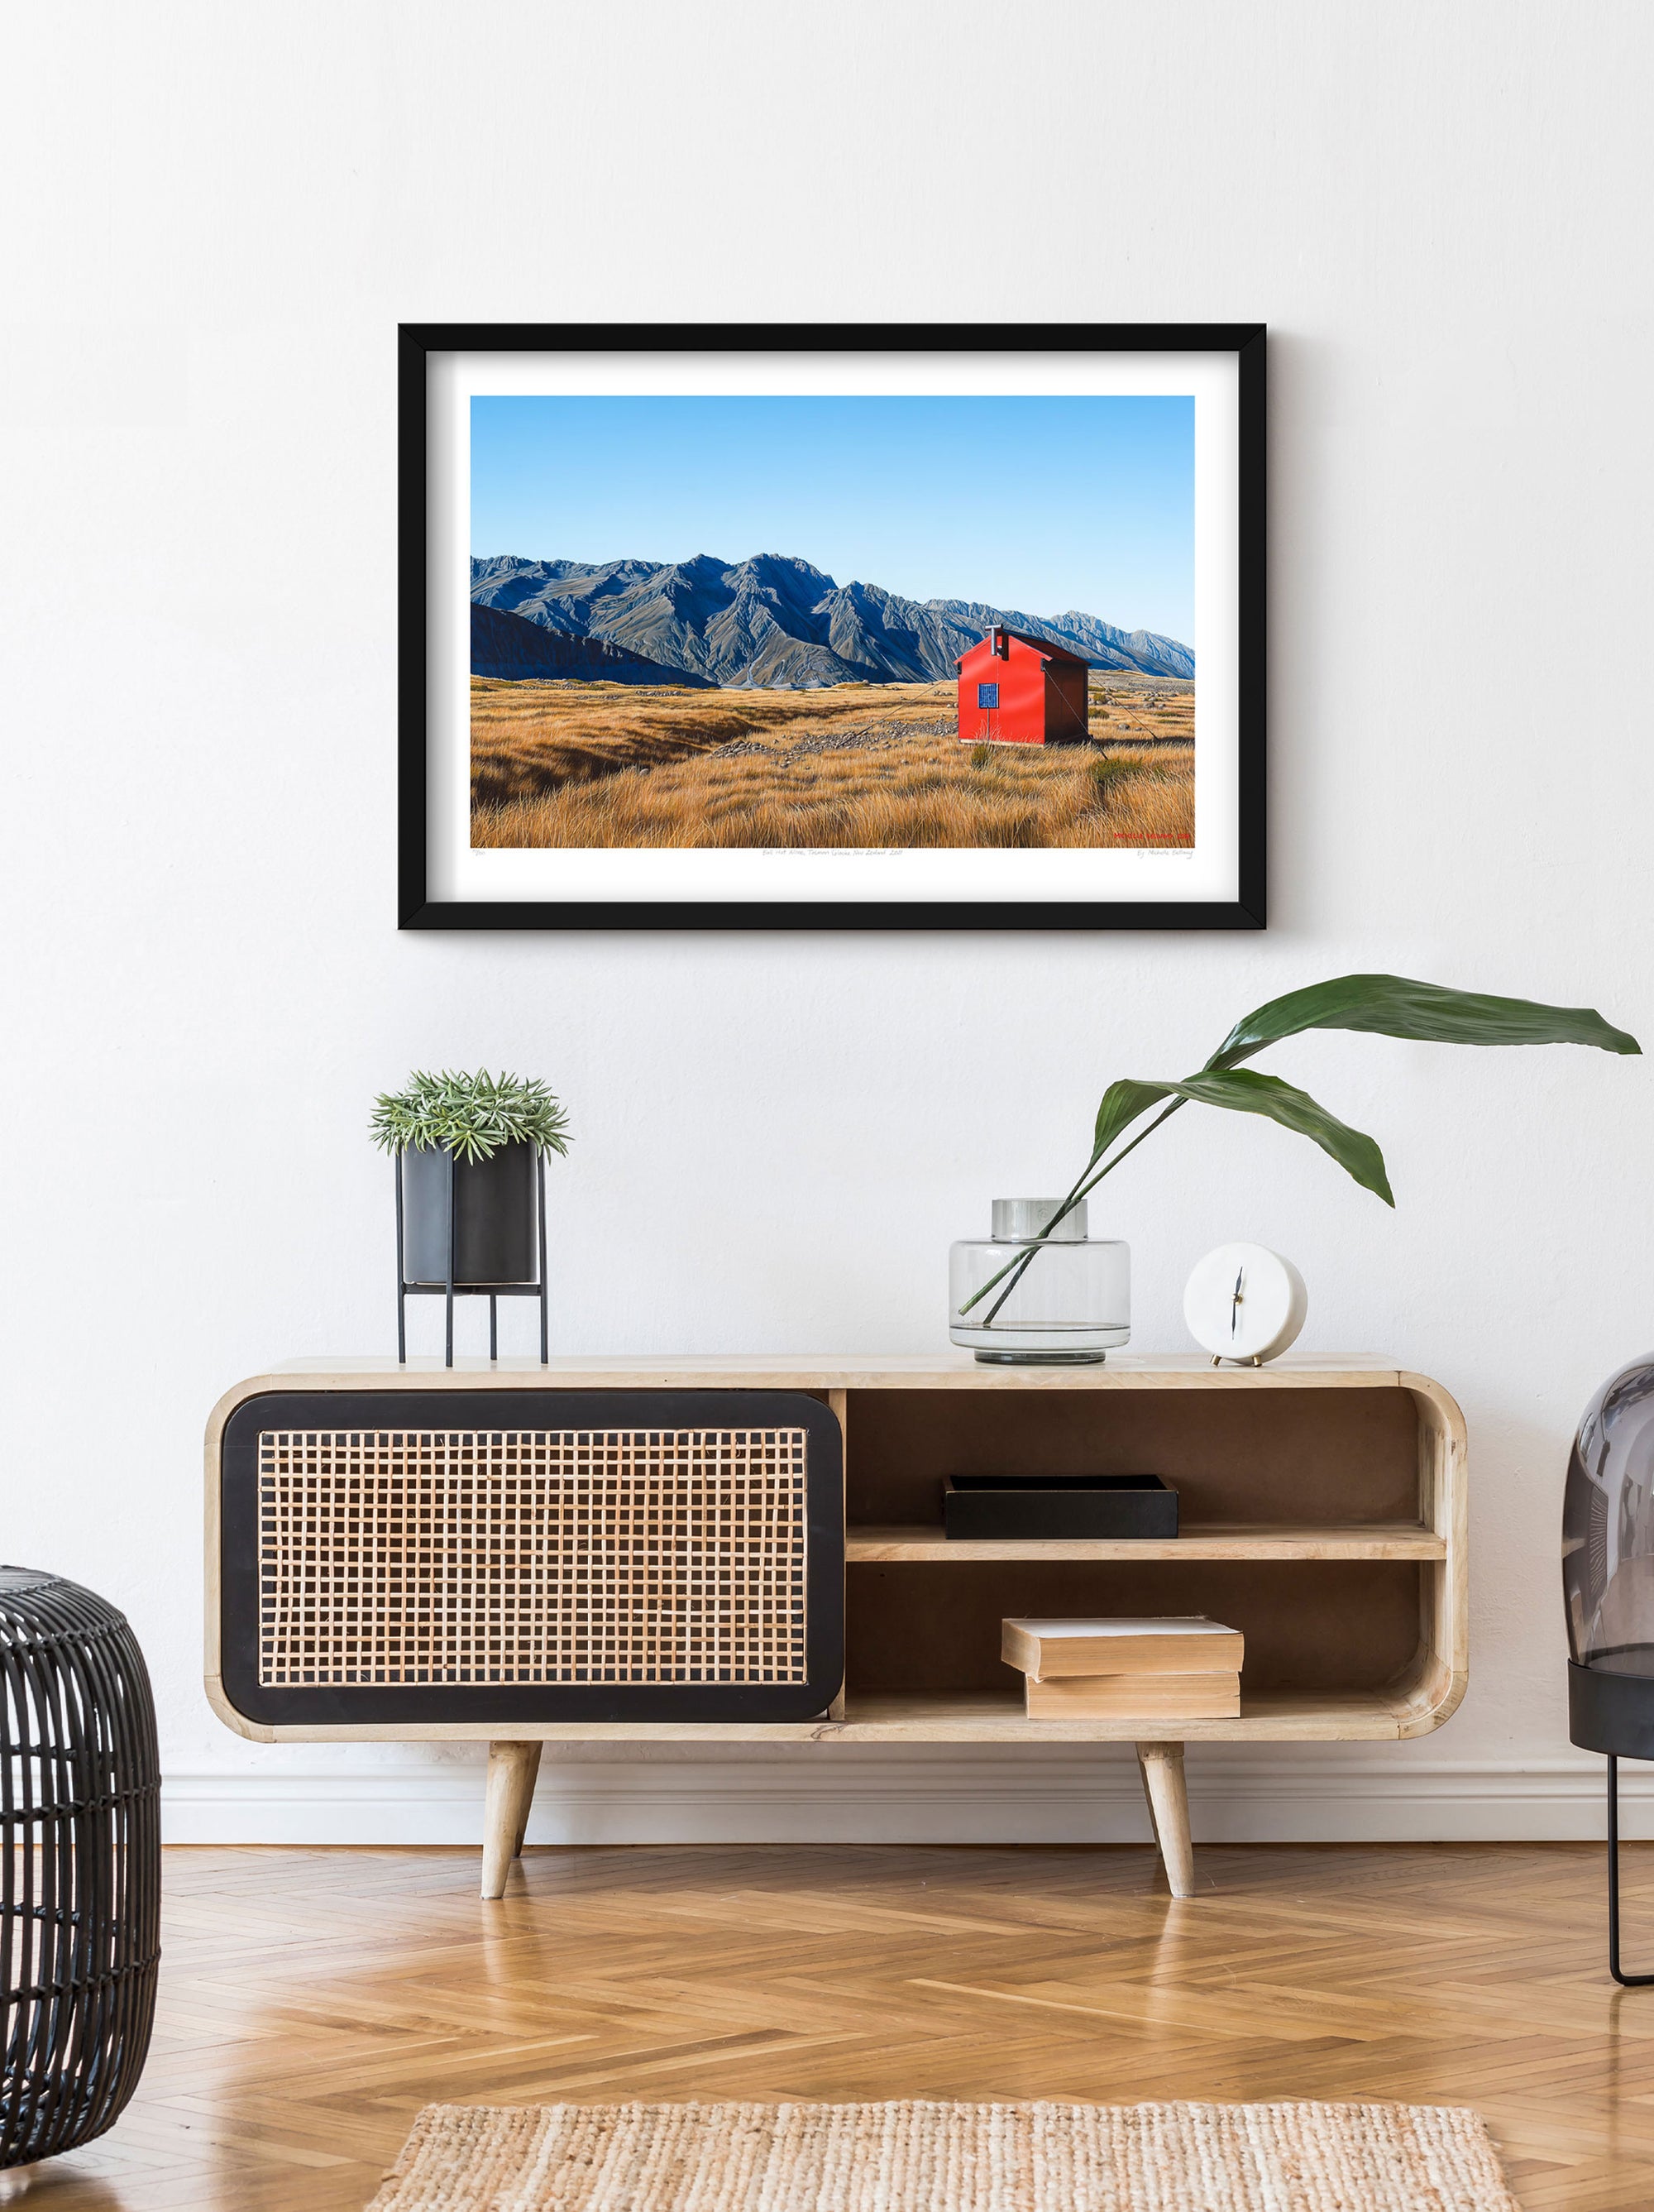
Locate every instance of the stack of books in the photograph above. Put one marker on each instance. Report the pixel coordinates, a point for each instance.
(1182, 1669)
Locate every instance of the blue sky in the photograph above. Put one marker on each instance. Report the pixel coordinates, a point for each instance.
(1038, 504)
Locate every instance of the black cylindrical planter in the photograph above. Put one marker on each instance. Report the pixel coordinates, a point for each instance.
(80, 1864)
(495, 1231)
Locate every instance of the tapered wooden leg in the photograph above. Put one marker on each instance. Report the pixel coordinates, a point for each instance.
(1168, 1808)
(512, 1770)
(529, 1781)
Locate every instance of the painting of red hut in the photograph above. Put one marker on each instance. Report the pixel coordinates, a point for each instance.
(1019, 691)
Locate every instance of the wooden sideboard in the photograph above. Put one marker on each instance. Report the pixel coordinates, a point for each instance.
(1324, 1514)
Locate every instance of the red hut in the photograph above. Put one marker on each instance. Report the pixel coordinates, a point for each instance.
(1019, 690)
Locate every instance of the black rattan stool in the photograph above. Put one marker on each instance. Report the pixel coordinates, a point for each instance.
(80, 1864)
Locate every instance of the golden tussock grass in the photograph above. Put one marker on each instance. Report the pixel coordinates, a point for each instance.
(529, 738)
(860, 766)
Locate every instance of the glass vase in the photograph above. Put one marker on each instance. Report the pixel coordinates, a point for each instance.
(1065, 1298)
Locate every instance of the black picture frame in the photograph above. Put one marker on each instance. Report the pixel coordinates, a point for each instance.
(417, 341)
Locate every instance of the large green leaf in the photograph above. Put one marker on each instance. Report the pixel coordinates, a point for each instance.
(1245, 1092)
(1122, 1103)
(1393, 1005)
(1386, 1005)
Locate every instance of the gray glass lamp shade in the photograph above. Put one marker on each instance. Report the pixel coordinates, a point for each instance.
(1608, 1568)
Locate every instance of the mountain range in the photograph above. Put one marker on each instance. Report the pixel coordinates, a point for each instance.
(504, 646)
(767, 621)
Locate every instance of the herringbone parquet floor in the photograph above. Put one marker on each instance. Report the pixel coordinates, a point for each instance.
(312, 2001)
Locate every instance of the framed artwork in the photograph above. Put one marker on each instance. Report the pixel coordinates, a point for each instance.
(890, 627)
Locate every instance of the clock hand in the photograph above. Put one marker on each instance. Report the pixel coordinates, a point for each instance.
(1236, 1303)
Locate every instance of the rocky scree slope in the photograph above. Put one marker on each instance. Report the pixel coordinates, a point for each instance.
(505, 646)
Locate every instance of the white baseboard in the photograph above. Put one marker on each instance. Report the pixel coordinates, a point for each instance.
(857, 1798)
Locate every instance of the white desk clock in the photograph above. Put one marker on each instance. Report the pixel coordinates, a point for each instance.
(1244, 1302)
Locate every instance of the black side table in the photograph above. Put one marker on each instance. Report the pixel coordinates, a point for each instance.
(80, 1864)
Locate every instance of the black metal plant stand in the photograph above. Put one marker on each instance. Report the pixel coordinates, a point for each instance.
(1626, 1981)
(80, 1864)
(449, 1290)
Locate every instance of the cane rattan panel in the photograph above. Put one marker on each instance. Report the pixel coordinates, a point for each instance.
(403, 1557)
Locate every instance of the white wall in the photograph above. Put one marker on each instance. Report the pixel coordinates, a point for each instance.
(214, 218)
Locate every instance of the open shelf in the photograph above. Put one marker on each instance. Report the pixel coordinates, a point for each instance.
(978, 1716)
(1215, 1540)
(993, 1717)
(1324, 1522)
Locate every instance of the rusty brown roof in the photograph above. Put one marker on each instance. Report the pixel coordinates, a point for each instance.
(1048, 646)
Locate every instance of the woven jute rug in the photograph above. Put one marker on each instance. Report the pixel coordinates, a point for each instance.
(946, 2157)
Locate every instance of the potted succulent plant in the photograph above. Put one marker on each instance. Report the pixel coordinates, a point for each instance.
(487, 1132)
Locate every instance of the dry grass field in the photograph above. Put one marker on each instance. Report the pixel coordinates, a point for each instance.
(875, 765)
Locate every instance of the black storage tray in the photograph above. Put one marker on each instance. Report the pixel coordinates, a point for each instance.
(1005, 1507)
